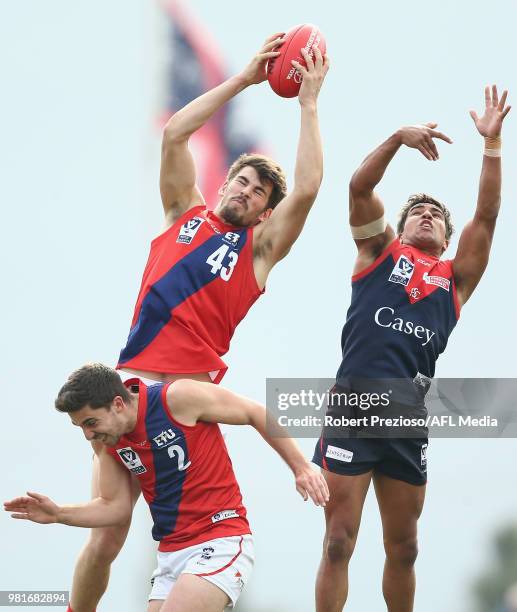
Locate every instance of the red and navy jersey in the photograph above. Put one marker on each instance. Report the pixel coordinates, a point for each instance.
(198, 284)
(404, 307)
(185, 473)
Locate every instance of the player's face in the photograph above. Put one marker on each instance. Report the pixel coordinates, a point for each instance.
(244, 198)
(104, 425)
(425, 228)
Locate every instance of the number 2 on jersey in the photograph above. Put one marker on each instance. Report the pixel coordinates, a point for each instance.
(216, 261)
(176, 449)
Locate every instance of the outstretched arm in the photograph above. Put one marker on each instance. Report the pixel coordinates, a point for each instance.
(365, 206)
(274, 237)
(476, 238)
(112, 507)
(191, 401)
(178, 173)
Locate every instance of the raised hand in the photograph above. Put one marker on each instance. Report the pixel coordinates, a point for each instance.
(490, 124)
(310, 483)
(34, 507)
(421, 137)
(312, 75)
(255, 71)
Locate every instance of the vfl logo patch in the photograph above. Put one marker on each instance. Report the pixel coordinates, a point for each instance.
(231, 238)
(223, 515)
(341, 454)
(189, 229)
(131, 460)
(402, 272)
(438, 281)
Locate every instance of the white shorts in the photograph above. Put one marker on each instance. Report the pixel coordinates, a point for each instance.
(225, 562)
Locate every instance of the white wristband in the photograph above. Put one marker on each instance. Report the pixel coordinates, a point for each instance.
(374, 228)
(492, 146)
(492, 152)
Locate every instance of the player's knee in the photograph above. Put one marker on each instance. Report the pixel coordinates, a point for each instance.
(104, 544)
(403, 552)
(338, 549)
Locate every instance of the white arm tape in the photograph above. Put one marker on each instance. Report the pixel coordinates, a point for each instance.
(361, 232)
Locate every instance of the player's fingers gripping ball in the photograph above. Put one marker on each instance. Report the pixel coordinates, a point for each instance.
(284, 78)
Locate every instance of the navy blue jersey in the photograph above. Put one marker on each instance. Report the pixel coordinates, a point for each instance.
(404, 307)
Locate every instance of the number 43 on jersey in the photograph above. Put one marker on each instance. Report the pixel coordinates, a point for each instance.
(218, 257)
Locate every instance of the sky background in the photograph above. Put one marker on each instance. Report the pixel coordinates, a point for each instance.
(81, 90)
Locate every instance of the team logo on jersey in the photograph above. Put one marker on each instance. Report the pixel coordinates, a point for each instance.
(131, 460)
(415, 293)
(438, 281)
(231, 238)
(223, 515)
(189, 229)
(423, 456)
(164, 438)
(403, 271)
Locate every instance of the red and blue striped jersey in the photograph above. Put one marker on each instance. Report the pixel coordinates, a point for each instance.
(197, 286)
(185, 473)
(404, 307)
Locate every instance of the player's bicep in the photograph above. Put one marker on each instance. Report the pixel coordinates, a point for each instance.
(190, 401)
(114, 481)
(178, 178)
(368, 227)
(275, 236)
(364, 207)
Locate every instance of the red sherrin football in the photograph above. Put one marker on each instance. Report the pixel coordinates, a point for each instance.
(284, 79)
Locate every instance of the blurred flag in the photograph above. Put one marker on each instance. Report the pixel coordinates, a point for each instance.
(196, 66)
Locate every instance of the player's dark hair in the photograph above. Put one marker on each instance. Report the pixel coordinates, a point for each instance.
(422, 198)
(267, 170)
(94, 385)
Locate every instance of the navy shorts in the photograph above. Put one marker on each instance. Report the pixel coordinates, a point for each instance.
(399, 458)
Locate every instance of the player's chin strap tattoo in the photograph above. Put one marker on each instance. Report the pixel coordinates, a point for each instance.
(374, 228)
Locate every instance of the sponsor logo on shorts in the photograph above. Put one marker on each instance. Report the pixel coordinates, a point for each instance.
(189, 229)
(402, 272)
(223, 515)
(131, 460)
(239, 580)
(207, 553)
(340, 454)
(423, 456)
(438, 281)
(231, 238)
(164, 438)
